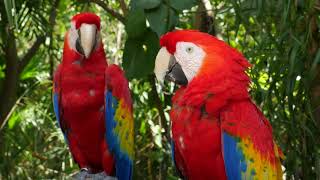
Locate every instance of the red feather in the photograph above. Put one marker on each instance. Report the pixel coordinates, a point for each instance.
(88, 18)
(87, 117)
(216, 99)
(80, 84)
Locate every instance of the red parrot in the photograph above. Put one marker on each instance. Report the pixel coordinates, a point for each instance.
(217, 131)
(92, 102)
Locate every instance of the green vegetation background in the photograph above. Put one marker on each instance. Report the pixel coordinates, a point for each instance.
(280, 37)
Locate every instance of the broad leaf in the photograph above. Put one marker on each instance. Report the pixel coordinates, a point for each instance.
(139, 55)
(147, 4)
(136, 23)
(14, 119)
(161, 19)
(152, 47)
(33, 68)
(181, 5)
(133, 58)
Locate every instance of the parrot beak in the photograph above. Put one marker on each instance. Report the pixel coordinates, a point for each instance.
(87, 36)
(167, 68)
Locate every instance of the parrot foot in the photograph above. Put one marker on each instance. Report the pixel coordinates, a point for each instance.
(85, 175)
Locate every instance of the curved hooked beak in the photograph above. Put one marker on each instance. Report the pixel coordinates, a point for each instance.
(167, 68)
(87, 39)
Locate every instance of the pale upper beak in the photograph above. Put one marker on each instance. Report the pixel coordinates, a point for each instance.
(87, 38)
(167, 68)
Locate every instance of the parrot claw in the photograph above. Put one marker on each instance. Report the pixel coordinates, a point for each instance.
(84, 170)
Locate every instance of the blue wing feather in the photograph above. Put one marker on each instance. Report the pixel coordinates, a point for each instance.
(243, 161)
(233, 158)
(57, 113)
(124, 162)
(56, 107)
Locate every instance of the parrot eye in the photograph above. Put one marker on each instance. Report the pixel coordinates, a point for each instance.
(189, 50)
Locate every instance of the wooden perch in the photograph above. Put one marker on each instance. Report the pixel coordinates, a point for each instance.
(83, 175)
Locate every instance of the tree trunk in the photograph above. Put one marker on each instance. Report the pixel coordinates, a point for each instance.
(10, 85)
(314, 48)
(204, 17)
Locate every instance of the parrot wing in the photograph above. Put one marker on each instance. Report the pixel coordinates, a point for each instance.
(248, 148)
(56, 102)
(173, 156)
(119, 121)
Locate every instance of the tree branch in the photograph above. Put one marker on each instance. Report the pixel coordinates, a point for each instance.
(53, 14)
(204, 17)
(123, 7)
(109, 10)
(314, 46)
(159, 107)
(10, 84)
(52, 22)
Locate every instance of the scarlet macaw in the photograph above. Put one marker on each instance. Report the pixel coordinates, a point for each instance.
(92, 102)
(217, 131)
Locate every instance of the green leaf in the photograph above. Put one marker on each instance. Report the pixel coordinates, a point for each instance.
(143, 127)
(173, 19)
(293, 58)
(2, 67)
(152, 48)
(136, 23)
(158, 18)
(32, 69)
(147, 4)
(139, 55)
(9, 5)
(313, 69)
(133, 58)
(161, 19)
(14, 119)
(181, 5)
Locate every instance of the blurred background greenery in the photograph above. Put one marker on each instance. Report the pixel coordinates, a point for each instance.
(280, 37)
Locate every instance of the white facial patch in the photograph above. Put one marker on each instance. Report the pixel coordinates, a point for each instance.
(190, 57)
(73, 36)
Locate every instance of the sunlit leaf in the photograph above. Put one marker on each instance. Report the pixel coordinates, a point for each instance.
(14, 119)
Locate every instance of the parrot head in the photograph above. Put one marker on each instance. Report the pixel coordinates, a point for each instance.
(187, 54)
(84, 35)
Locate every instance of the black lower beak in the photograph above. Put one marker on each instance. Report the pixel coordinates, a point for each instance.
(79, 47)
(175, 73)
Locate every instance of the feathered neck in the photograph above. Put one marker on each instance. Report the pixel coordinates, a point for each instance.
(214, 91)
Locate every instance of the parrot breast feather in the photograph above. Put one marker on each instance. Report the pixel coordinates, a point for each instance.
(119, 121)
